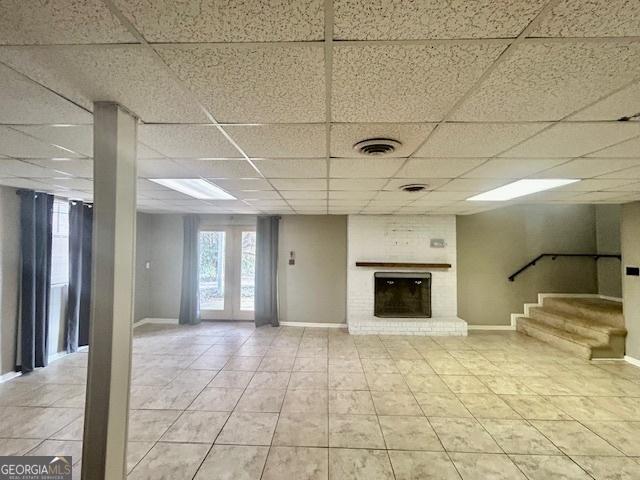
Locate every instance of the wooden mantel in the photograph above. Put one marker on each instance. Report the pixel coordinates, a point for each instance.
(402, 265)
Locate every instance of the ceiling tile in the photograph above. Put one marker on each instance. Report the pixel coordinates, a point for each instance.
(595, 184)
(397, 20)
(345, 136)
(512, 167)
(24, 101)
(303, 194)
(573, 140)
(627, 187)
(18, 168)
(219, 168)
(476, 139)
(22, 183)
(594, 197)
(630, 148)
(398, 197)
(438, 167)
(445, 195)
(593, 18)
(281, 141)
(78, 138)
(364, 167)
(588, 167)
(633, 173)
(257, 194)
(224, 21)
(267, 203)
(244, 184)
(408, 83)
(17, 144)
(431, 183)
(548, 81)
(162, 168)
(187, 141)
(299, 184)
(118, 73)
(77, 168)
(72, 183)
(472, 185)
(624, 103)
(61, 21)
(291, 168)
(356, 184)
(351, 196)
(253, 84)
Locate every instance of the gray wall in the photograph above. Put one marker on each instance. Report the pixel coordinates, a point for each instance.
(492, 245)
(144, 241)
(315, 288)
(630, 243)
(9, 276)
(608, 241)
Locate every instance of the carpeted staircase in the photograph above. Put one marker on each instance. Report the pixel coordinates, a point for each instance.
(589, 327)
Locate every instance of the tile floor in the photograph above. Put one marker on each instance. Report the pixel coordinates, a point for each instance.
(226, 401)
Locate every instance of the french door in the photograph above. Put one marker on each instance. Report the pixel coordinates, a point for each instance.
(226, 285)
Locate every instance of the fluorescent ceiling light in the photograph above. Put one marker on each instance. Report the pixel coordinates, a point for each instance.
(194, 187)
(520, 189)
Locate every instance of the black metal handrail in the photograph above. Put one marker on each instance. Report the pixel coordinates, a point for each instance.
(553, 256)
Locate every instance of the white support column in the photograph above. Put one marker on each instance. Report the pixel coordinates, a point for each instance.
(114, 231)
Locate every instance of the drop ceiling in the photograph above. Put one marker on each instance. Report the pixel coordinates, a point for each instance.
(266, 99)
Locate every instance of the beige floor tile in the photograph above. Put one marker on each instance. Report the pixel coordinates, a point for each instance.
(395, 403)
(35, 422)
(276, 363)
(345, 380)
(228, 462)
(302, 430)
(506, 385)
(217, 399)
(261, 400)
(583, 408)
(426, 383)
(475, 466)
(276, 380)
(386, 382)
(609, 468)
(535, 407)
(150, 425)
(544, 467)
(379, 365)
(17, 446)
(136, 452)
(352, 365)
(66, 448)
(359, 464)
(573, 438)
(409, 433)
(231, 379)
(308, 380)
(297, 463)
(170, 461)
(248, 429)
(518, 436)
(414, 367)
(351, 402)
(305, 401)
(464, 435)
(441, 405)
(464, 384)
(487, 405)
(209, 362)
(196, 426)
(310, 364)
(409, 465)
(243, 364)
(355, 431)
(625, 436)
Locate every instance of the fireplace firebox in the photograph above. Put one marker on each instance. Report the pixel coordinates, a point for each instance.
(402, 295)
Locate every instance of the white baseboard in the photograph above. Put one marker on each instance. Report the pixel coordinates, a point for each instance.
(57, 356)
(491, 327)
(163, 321)
(9, 376)
(313, 325)
(633, 361)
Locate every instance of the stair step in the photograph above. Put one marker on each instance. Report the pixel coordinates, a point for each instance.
(586, 347)
(579, 325)
(599, 310)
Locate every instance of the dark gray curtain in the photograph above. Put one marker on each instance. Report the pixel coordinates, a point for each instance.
(266, 309)
(79, 303)
(36, 213)
(189, 306)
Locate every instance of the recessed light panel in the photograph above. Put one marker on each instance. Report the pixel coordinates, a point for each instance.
(520, 189)
(194, 187)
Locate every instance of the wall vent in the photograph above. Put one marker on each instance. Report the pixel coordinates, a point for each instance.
(414, 187)
(376, 146)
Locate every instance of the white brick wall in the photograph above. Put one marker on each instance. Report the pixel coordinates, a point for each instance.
(401, 239)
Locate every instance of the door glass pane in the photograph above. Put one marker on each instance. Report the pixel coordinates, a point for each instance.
(211, 282)
(248, 271)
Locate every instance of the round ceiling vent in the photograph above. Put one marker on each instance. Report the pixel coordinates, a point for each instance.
(414, 187)
(376, 146)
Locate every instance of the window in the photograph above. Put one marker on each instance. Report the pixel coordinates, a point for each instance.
(212, 276)
(60, 243)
